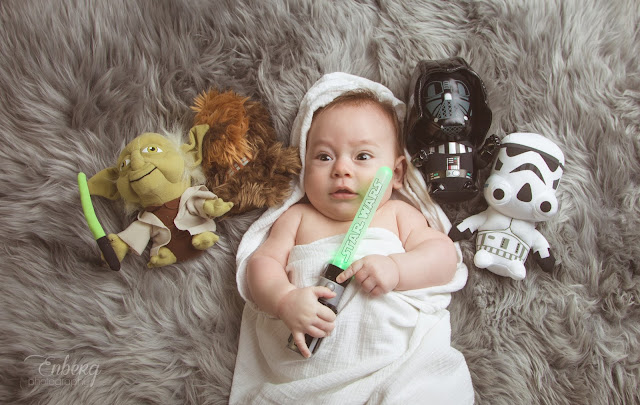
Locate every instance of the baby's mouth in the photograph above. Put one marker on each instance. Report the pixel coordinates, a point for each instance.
(343, 193)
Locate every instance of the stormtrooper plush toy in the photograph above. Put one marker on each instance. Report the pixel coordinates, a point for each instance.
(520, 191)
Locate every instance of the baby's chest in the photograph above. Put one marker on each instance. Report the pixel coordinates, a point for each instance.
(312, 229)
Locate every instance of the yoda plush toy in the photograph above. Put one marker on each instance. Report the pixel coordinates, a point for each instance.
(154, 173)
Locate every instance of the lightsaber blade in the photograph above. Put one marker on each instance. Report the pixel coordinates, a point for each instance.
(345, 254)
(94, 225)
(360, 223)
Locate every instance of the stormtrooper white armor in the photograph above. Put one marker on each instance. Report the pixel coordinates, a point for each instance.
(520, 192)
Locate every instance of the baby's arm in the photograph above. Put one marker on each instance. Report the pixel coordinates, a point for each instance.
(429, 258)
(272, 292)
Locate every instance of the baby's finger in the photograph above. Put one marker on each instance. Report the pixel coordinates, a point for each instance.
(368, 285)
(299, 340)
(377, 291)
(326, 314)
(324, 326)
(323, 292)
(314, 331)
(349, 272)
(362, 275)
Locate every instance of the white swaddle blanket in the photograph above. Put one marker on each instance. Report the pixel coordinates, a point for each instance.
(390, 349)
(382, 349)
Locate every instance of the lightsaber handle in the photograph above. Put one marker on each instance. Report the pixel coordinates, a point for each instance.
(328, 279)
(109, 254)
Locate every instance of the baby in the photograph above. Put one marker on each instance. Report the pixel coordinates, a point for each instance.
(349, 140)
(387, 317)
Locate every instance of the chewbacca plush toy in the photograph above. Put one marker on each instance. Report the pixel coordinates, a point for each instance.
(242, 160)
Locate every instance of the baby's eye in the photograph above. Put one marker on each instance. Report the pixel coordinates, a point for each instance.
(363, 156)
(324, 157)
(125, 164)
(152, 149)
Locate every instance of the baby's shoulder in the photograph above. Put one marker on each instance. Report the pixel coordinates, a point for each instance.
(400, 207)
(406, 215)
(300, 209)
(290, 218)
(298, 213)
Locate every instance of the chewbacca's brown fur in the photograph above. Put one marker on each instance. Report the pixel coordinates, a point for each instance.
(241, 129)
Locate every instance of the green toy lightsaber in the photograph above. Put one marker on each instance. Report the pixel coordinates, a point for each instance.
(345, 254)
(94, 225)
(363, 218)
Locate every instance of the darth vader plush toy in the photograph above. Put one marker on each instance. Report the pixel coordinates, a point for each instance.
(520, 192)
(447, 121)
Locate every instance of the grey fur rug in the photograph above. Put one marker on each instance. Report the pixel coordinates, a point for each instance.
(79, 79)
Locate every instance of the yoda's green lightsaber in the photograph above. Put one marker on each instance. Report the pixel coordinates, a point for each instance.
(94, 225)
(345, 254)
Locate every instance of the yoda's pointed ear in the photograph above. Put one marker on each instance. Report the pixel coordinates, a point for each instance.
(103, 183)
(194, 147)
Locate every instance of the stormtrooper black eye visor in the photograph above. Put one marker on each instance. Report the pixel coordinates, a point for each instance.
(513, 149)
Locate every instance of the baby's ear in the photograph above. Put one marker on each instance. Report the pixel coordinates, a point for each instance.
(399, 170)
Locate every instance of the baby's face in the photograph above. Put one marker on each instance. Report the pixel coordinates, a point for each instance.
(346, 145)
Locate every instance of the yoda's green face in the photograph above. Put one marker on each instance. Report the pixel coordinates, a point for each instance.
(151, 171)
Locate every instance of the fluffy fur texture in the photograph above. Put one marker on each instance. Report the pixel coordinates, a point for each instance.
(79, 79)
(242, 159)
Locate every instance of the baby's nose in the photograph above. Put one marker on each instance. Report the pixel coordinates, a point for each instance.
(342, 168)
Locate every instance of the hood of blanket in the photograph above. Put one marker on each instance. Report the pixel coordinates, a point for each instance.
(322, 93)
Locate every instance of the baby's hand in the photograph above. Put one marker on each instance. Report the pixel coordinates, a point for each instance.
(376, 274)
(302, 313)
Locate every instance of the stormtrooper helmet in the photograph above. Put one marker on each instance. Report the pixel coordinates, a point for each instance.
(525, 177)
